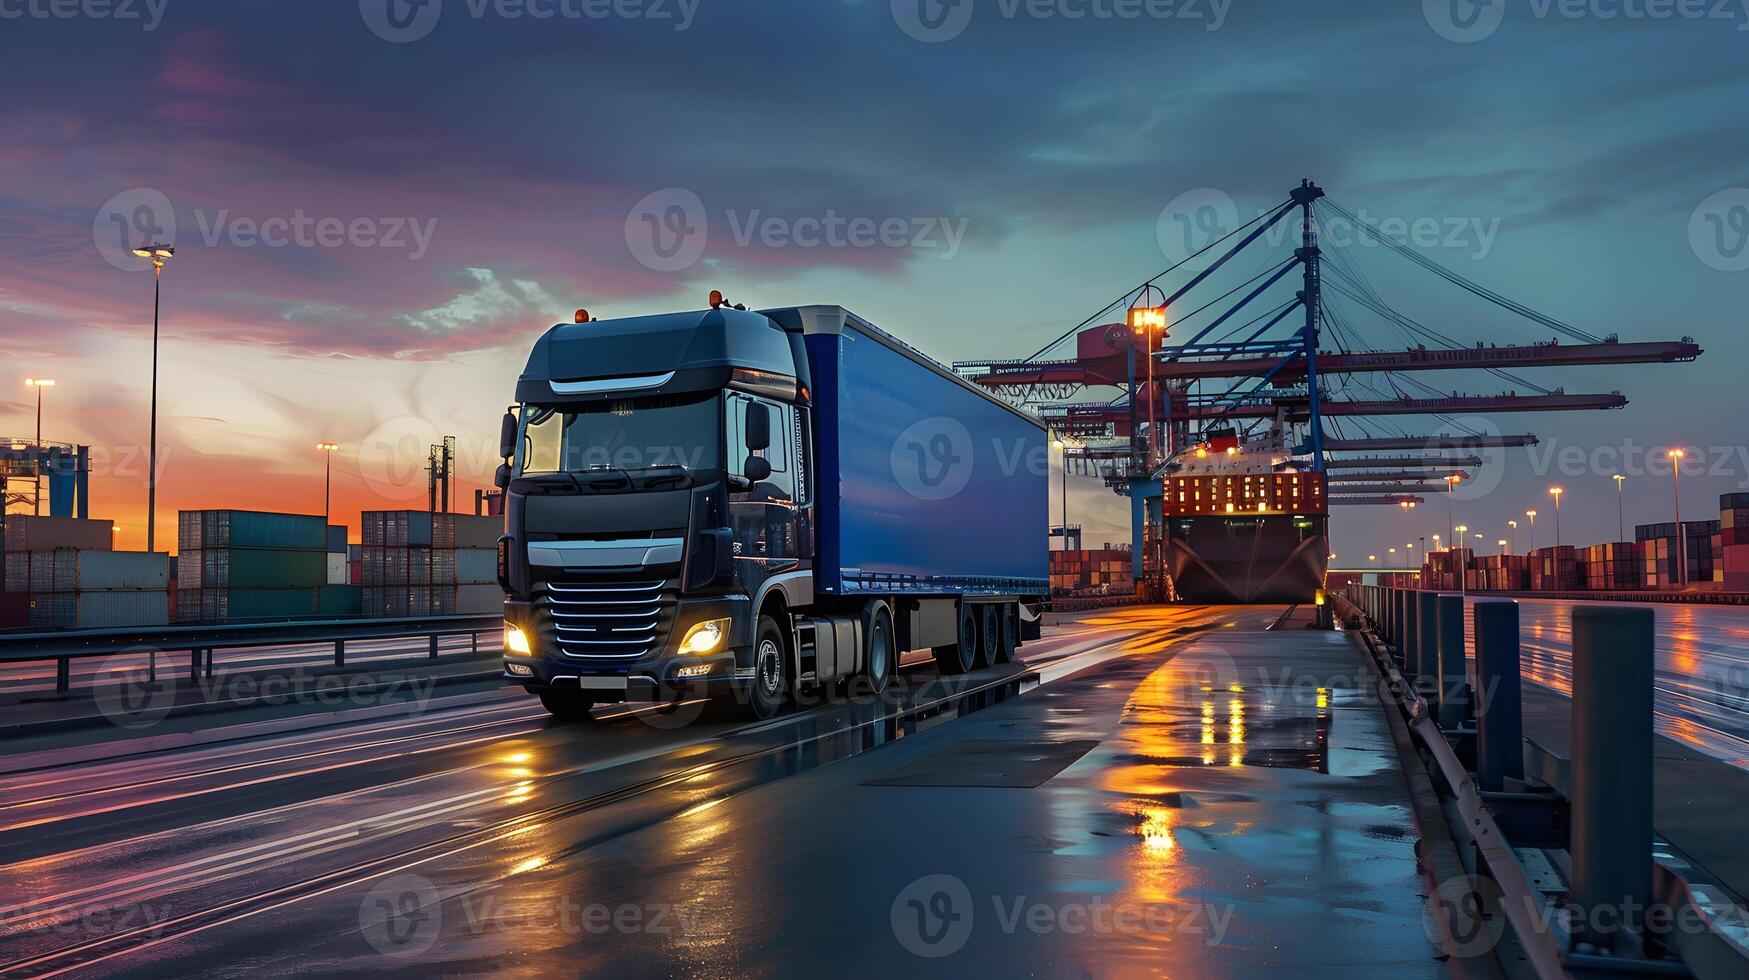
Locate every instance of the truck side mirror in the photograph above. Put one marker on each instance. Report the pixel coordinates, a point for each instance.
(756, 468)
(507, 436)
(758, 427)
(501, 477)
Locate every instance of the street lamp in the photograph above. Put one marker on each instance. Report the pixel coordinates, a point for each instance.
(1514, 526)
(327, 449)
(1061, 443)
(159, 254)
(1460, 567)
(1621, 520)
(1451, 483)
(1676, 456)
(36, 487)
(1145, 320)
(1556, 492)
(1531, 514)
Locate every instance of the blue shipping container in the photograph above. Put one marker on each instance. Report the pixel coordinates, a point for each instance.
(336, 539)
(925, 483)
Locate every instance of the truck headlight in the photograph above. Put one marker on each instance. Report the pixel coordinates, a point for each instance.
(705, 637)
(515, 640)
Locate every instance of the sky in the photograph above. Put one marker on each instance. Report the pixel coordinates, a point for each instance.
(378, 205)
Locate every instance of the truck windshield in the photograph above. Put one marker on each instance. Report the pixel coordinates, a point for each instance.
(631, 437)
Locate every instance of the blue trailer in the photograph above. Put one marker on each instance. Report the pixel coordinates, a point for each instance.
(747, 504)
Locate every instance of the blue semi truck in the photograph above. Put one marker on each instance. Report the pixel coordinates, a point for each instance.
(745, 505)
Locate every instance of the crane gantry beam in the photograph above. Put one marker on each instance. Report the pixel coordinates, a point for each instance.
(1401, 462)
(1432, 444)
(1079, 416)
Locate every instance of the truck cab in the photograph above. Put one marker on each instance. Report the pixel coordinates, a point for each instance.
(661, 479)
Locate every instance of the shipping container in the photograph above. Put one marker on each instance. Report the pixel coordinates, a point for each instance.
(478, 565)
(251, 568)
(214, 605)
(201, 529)
(14, 610)
(99, 609)
(337, 538)
(26, 532)
(336, 568)
(477, 531)
(340, 600)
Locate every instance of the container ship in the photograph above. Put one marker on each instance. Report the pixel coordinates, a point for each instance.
(1243, 523)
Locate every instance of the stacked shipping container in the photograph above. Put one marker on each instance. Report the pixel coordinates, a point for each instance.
(1615, 565)
(1733, 564)
(70, 578)
(241, 564)
(1104, 570)
(416, 563)
(1660, 554)
(1554, 569)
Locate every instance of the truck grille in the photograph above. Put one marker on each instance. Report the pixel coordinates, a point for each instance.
(607, 620)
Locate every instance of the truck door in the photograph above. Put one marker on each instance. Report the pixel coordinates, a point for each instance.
(767, 520)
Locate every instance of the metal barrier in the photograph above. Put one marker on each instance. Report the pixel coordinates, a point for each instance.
(1597, 806)
(64, 646)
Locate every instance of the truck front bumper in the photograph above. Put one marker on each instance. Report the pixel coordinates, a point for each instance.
(662, 676)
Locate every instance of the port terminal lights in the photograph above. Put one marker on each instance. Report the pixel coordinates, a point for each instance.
(1148, 320)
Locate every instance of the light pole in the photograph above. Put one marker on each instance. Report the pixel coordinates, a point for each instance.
(36, 486)
(159, 254)
(1145, 320)
(1514, 526)
(1460, 567)
(1531, 515)
(1502, 544)
(1621, 519)
(1676, 456)
(327, 449)
(1451, 483)
(1556, 492)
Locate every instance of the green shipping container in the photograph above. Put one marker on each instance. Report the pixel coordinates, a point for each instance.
(340, 600)
(252, 568)
(251, 529)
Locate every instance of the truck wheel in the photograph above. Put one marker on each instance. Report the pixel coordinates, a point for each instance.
(1008, 634)
(957, 659)
(879, 658)
(989, 633)
(770, 685)
(567, 705)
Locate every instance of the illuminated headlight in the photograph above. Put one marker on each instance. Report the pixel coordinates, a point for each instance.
(706, 637)
(515, 640)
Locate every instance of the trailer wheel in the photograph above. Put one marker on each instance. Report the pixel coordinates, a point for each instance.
(567, 705)
(770, 685)
(989, 633)
(957, 659)
(879, 658)
(1008, 634)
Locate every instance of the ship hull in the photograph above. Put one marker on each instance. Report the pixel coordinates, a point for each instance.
(1247, 559)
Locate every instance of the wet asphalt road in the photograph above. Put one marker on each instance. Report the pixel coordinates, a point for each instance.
(480, 836)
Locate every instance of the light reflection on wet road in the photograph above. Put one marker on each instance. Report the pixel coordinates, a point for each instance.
(1701, 667)
(273, 853)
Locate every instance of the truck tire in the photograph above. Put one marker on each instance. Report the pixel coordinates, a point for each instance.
(1008, 635)
(880, 658)
(770, 686)
(989, 633)
(566, 704)
(957, 658)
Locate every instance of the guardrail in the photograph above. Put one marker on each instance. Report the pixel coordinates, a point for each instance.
(1511, 792)
(64, 646)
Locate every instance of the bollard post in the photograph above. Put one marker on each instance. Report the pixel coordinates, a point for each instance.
(434, 646)
(1426, 664)
(1500, 726)
(1411, 631)
(194, 664)
(63, 674)
(339, 653)
(1452, 697)
(1612, 768)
